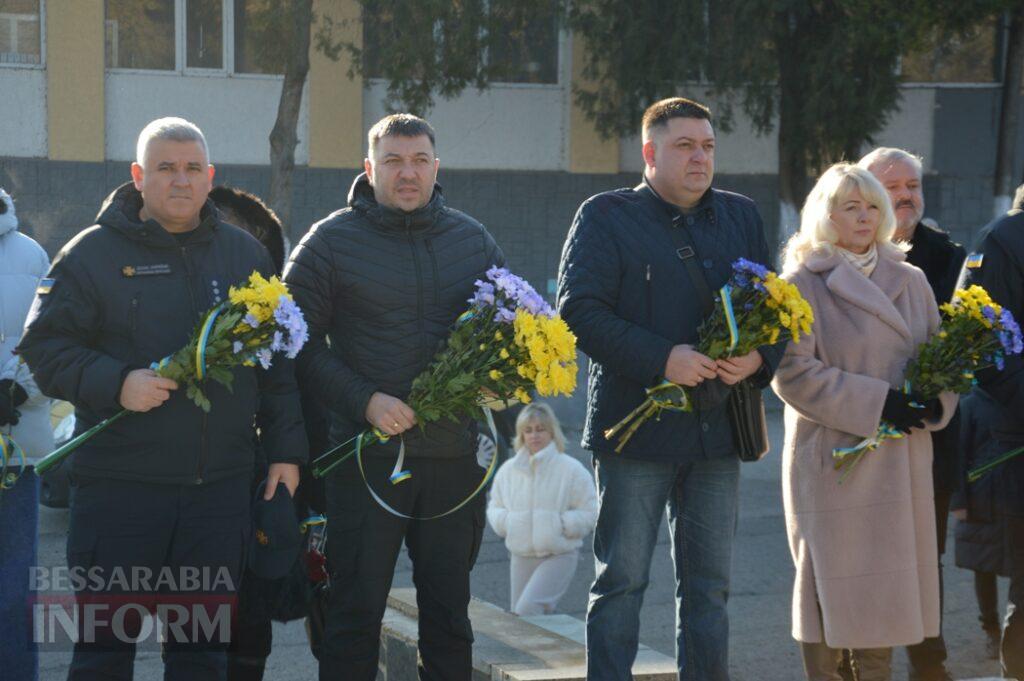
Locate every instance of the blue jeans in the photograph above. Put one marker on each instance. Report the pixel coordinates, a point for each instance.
(701, 499)
(19, 522)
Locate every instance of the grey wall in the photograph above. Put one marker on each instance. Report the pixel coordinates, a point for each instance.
(528, 212)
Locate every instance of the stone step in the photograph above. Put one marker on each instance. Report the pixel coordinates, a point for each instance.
(507, 647)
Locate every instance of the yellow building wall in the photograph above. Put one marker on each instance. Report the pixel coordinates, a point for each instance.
(74, 80)
(335, 101)
(588, 151)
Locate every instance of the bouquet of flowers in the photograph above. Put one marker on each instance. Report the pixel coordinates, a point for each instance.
(256, 321)
(976, 333)
(507, 343)
(754, 308)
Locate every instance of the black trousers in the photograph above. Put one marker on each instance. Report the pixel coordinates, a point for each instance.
(363, 542)
(178, 531)
(930, 654)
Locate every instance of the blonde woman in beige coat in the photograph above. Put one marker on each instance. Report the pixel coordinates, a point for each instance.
(866, 570)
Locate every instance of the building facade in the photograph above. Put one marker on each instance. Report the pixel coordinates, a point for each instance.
(80, 78)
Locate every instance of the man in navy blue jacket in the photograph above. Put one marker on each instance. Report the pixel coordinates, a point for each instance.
(625, 291)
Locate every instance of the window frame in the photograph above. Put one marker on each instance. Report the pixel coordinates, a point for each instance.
(181, 67)
(561, 39)
(42, 45)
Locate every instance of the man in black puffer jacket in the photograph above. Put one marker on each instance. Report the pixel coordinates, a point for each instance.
(166, 486)
(384, 280)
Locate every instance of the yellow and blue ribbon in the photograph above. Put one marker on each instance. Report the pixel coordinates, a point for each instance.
(9, 450)
(383, 504)
(730, 316)
(204, 339)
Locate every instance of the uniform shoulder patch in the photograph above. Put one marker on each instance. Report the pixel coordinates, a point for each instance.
(974, 260)
(44, 287)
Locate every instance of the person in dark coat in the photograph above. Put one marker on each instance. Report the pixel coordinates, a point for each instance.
(997, 264)
(981, 536)
(252, 637)
(625, 290)
(382, 282)
(933, 251)
(167, 487)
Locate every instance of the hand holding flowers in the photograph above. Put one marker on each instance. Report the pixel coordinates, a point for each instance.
(976, 333)
(754, 309)
(256, 321)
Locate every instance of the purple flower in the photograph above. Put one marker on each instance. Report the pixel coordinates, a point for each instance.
(289, 317)
(236, 347)
(251, 321)
(505, 316)
(484, 294)
(751, 268)
(998, 360)
(989, 313)
(264, 355)
(1009, 335)
(517, 290)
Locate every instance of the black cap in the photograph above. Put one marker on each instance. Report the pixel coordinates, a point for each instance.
(276, 539)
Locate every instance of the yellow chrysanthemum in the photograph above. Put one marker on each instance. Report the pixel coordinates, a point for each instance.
(495, 374)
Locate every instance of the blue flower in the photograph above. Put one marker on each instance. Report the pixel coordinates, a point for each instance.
(746, 266)
(1010, 336)
(251, 321)
(264, 356)
(289, 317)
(236, 347)
(989, 313)
(505, 316)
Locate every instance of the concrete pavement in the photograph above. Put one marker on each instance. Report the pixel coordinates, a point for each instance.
(761, 648)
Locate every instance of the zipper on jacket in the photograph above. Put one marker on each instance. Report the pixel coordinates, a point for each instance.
(650, 294)
(195, 313)
(419, 281)
(133, 316)
(433, 265)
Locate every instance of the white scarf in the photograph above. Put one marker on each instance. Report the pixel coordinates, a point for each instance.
(863, 263)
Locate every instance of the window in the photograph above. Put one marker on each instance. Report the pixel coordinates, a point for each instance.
(256, 23)
(140, 34)
(974, 58)
(204, 38)
(526, 53)
(521, 50)
(227, 36)
(20, 41)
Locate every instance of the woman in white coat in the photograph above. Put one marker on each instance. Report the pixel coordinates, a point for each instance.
(24, 417)
(867, 575)
(543, 503)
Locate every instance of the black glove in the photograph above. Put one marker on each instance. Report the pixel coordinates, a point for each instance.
(900, 414)
(932, 410)
(12, 396)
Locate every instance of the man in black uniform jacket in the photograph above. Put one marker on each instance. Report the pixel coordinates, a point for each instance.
(940, 258)
(166, 487)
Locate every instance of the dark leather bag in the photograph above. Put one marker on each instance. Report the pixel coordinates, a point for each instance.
(745, 404)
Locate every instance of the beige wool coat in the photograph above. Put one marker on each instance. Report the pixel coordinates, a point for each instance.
(865, 551)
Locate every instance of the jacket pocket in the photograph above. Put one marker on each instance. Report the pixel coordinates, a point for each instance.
(548, 535)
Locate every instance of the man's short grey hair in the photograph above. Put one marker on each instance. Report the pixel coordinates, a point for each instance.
(891, 155)
(173, 129)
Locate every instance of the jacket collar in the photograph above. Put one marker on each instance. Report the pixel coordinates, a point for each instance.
(874, 295)
(523, 459)
(705, 207)
(361, 198)
(120, 211)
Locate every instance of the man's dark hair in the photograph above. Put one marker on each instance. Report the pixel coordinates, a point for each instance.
(659, 113)
(248, 211)
(399, 125)
(1018, 198)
